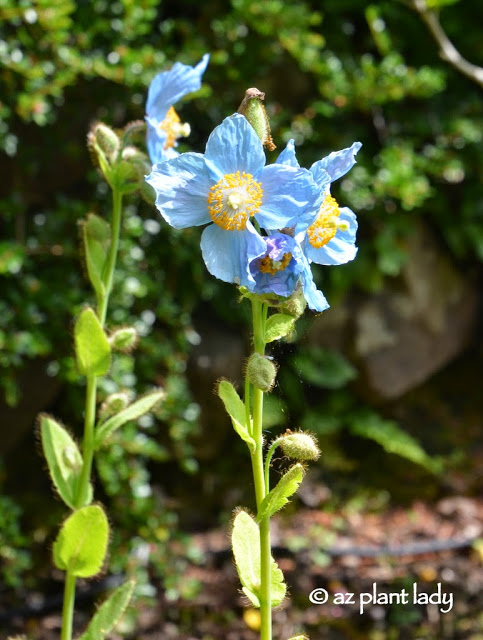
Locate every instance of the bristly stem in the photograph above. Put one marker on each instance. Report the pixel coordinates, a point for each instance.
(259, 317)
(90, 405)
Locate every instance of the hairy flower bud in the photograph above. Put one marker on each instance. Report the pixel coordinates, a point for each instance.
(300, 446)
(295, 304)
(261, 372)
(103, 138)
(113, 404)
(252, 108)
(123, 339)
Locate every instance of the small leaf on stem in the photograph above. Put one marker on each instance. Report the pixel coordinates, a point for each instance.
(235, 408)
(91, 345)
(278, 497)
(109, 613)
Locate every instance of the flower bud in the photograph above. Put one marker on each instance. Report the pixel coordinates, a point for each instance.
(261, 372)
(254, 111)
(113, 404)
(300, 446)
(295, 304)
(103, 138)
(123, 339)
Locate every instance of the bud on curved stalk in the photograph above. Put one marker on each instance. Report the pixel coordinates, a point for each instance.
(252, 108)
(113, 404)
(261, 372)
(102, 140)
(123, 339)
(300, 446)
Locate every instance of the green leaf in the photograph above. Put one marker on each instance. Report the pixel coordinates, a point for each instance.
(81, 545)
(245, 539)
(109, 613)
(132, 412)
(63, 458)
(393, 440)
(235, 408)
(324, 368)
(91, 345)
(278, 497)
(97, 240)
(278, 326)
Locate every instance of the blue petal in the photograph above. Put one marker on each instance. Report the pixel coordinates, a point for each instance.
(288, 155)
(337, 163)
(290, 196)
(182, 186)
(227, 254)
(234, 146)
(283, 282)
(341, 249)
(169, 86)
(156, 139)
(315, 298)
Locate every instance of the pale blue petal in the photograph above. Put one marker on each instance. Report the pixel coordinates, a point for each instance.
(156, 139)
(227, 254)
(288, 155)
(337, 163)
(289, 196)
(182, 186)
(341, 249)
(234, 146)
(169, 86)
(315, 298)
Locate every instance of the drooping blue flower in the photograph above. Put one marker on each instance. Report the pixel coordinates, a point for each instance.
(229, 187)
(164, 125)
(330, 237)
(280, 269)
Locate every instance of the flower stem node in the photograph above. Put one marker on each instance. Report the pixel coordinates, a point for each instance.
(300, 446)
(124, 339)
(261, 372)
(252, 108)
(113, 404)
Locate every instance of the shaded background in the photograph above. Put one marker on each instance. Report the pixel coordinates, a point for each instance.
(389, 378)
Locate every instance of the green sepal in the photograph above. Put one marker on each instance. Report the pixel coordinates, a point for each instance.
(235, 407)
(91, 345)
(132, 412)
(96, 234)
(278, 326)
(279, 495)
(81, 545)
(63, 459)
(245, 539)
(109, 613)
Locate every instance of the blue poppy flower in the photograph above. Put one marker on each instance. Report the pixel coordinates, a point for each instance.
(164, 124)
(281, 267)
(230, 188)
(330, 237)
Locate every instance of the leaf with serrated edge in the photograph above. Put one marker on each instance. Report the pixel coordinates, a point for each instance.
(97, 239)
(91, 345)
(63, 459)
(132, 412)
(278, 326)
(279, 495)
(235, 408)
(109, 613)
(81, 545)
(245, 540)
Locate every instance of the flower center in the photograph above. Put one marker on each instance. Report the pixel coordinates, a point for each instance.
(233, 200)
(267, 265)
(174, 128)
(327, 223)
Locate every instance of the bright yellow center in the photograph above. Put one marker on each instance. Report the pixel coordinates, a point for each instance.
(233, 200)
(174, 128)
(267, 265)
(326, 225)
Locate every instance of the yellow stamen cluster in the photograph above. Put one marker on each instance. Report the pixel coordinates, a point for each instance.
(233, 200)
(173, 128)
(326, 225)
(267, 265)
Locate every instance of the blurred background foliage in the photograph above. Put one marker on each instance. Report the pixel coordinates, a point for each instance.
(333, 73)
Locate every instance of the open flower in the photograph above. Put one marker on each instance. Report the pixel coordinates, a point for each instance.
(330, 237)
(229, 188)
(164, 124)
(281, 268)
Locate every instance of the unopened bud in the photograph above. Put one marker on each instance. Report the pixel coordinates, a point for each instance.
(295, 304)
(252, 108)
(113, 404)
(261, 372)
(71, 458)
(123, 339)
(300, 446)
(103, 138)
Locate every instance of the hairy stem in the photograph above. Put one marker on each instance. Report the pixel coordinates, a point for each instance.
(68, 607)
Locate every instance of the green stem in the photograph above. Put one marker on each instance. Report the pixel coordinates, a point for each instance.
(68, 607)
(268, 460)
(110, 265)
(88, 441)
(259, 316)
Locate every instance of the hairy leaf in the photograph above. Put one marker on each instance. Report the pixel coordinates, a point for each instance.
(91, 345)
(109, 613)
(278, 496)
(278, 326)
(235, 408)
(97, 239)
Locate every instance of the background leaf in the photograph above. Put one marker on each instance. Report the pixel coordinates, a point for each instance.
(109, 613)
